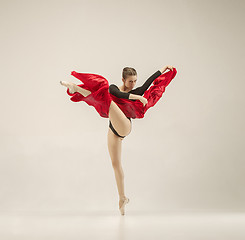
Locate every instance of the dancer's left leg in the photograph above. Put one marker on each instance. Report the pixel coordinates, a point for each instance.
(118, 119)
(74, 88)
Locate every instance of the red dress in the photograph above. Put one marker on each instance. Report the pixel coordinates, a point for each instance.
(100, 98)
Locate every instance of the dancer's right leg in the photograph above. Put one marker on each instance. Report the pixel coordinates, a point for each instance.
(123, 126)
(115, 149)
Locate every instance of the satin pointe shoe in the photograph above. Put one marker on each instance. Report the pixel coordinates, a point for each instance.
(122, 208)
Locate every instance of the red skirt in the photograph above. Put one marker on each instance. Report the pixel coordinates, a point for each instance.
(100, 98)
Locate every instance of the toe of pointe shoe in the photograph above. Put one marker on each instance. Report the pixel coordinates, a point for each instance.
(122, 208)
(122, 211)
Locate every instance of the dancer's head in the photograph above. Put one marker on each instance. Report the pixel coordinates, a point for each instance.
(129, 77)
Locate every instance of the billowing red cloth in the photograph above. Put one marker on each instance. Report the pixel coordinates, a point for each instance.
(100, 98)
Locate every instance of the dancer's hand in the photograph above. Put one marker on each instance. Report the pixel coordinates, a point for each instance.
(170, 67)
(143, 100)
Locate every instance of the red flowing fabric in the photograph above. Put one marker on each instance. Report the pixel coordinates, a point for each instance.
(100, 98)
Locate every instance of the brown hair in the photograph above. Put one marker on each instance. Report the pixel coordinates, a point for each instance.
(128, 71)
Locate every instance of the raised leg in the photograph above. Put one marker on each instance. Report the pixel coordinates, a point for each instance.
(83, 91)
(119, 121)
(74, 88)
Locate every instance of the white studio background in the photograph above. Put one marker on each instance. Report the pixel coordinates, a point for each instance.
(188, 151)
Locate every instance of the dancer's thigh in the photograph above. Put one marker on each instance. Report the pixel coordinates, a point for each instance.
(118, 119)
(115, 147)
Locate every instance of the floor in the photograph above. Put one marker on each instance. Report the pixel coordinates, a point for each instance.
(133, 225)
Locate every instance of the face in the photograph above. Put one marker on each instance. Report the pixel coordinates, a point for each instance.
(130, 82)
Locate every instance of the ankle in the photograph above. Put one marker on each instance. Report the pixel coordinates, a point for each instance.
(122, 197)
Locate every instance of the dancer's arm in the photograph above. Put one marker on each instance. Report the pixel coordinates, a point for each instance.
(147, 83)
(114, 90)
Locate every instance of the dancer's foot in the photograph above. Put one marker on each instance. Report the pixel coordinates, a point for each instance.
(72, 86)
(122, 203)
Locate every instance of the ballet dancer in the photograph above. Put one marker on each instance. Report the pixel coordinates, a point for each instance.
(119, 104)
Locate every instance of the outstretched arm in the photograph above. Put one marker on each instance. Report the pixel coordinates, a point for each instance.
(148, 82)
(140, 90)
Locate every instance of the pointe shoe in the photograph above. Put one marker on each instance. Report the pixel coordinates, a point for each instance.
(71, 86)
(122, 210)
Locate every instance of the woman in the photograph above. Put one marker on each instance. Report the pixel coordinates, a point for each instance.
(119, 104)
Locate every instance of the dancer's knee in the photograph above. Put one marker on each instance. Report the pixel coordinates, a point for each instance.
(116, 164)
